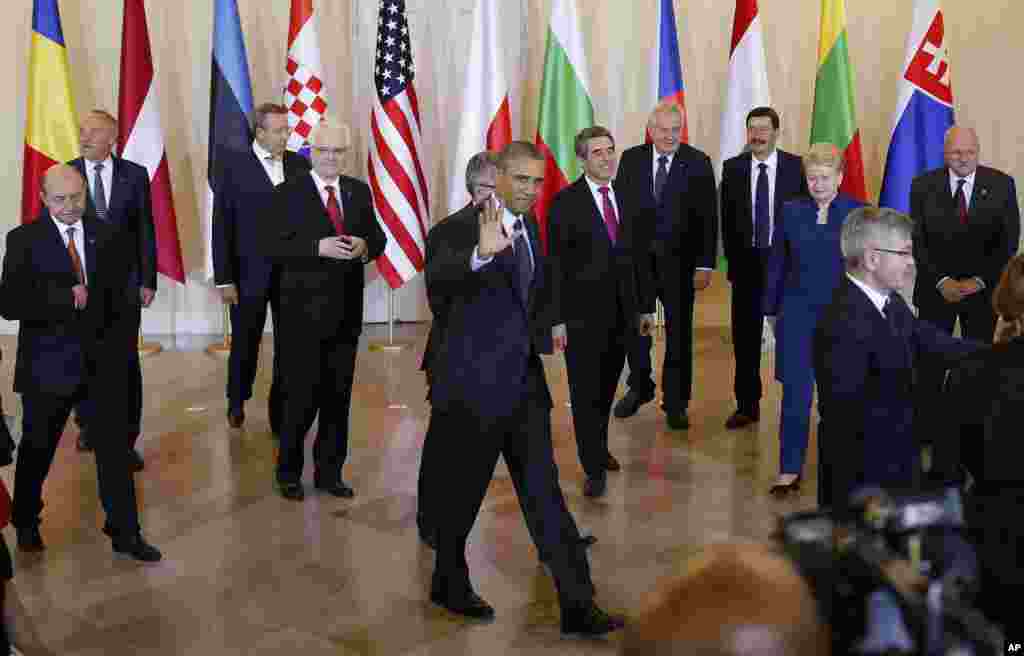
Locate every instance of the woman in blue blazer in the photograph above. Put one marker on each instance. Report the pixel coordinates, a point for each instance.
(804, 268)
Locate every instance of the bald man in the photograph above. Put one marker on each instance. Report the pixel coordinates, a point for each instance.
(733, 600)
(63, 280)
(321, 232)
(966, 228)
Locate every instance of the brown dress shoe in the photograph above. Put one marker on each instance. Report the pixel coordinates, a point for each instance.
(612, 464)
(740, 419)
(236, 418)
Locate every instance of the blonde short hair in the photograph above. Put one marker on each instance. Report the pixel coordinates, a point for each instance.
(824, 154)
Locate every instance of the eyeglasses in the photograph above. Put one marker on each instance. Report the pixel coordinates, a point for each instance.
(324, 151)
(889, 250)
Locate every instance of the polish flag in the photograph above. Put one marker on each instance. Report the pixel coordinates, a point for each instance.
(485, 120)
(140, 137)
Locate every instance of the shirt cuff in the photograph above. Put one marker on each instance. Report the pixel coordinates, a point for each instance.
(476, 262)
(981, 283)
(943, 279)
(227, 284)
(704, 269)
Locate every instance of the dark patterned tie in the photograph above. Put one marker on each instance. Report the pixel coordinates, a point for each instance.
(524, 266)
(611, 220)
(961, 200)
(660, 177)
(890, 314)
(99, 194)
(762, 217)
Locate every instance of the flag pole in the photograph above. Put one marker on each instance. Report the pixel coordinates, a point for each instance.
(148, 348)
(390, 345)
(224, 347)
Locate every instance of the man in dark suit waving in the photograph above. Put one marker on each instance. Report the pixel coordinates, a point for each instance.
(502, 313)
(867, 345)
(672, 187)
(321, 231)
(63, 281)
(755, 184)
(591, 244)
(119, 196)
(242, 272)
(966, 228)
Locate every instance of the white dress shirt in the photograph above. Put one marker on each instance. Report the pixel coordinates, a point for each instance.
(654, 164)
(877, 298)
(968, 185)
(772, 163)
(599, 197)
(79, 243)
(321, 186)
(273, 166)
(508, 220)
(107, 174)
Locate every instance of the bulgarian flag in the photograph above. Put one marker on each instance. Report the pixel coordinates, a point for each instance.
(565, 105)
(834, 119)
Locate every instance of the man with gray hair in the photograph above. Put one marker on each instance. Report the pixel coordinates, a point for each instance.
(866, 347)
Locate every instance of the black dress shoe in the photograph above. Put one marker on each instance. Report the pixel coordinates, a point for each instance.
(83, 440)
(429, 538)
(589, 620)
(741, 418)
(781, 490)
(137, 548)
(468, 604)
(595, 487)
(612, 464)
(236, 417)
(336, 488)
(135, 461)
(292, 490)
(29, 539)
(677, 420)
(630, 403)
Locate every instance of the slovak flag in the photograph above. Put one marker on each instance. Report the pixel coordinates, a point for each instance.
(666, 67)
(925, 108)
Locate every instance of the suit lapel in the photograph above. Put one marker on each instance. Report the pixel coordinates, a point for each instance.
(89, 237)
(748, 206)
(59, 249)
(117, 185)
(538, 269)
(647, 175)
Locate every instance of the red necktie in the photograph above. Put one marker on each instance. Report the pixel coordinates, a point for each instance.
(611, 222)
(334, 211)
(961, 200)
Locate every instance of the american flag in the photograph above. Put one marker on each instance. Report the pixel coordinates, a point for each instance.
(399, 186)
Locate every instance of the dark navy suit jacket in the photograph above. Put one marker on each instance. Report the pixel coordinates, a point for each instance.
(240, 205)
(491, 337)
(865, 375)
(130, 214)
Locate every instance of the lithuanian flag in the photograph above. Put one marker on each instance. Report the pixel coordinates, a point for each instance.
(834, 119)
(51, 129)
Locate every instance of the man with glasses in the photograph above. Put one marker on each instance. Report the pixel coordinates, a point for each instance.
(321, 231)
(866, 347)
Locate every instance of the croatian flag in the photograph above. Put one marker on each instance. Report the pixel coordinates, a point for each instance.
(666, 69)
(925, 108)
(304, 93)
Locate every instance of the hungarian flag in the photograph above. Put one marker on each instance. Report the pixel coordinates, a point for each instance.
(51, 129)
(747, 82)
(667, 67)
(565, 105)
(304, 93)
(924, 110)
(485, 121)
(834, 119)
(140, 137)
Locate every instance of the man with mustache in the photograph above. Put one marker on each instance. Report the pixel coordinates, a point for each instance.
(755, 184)
(63, 280)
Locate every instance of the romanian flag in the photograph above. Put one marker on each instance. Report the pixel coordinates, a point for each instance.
(51, 129)
(834, 119)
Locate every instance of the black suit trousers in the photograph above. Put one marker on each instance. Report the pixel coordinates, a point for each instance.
(318, 376)
(594, 359)
(748, 325)
(524, 441)
(248, 318)
(44, 417)
(674, 287)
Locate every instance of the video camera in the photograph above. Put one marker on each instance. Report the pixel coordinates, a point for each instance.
(893, 574)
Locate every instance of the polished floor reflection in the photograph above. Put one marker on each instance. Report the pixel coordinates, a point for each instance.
(246, 572)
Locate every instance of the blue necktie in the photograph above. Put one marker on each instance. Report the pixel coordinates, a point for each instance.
(660, 177)
(762, 216)
(524, 267)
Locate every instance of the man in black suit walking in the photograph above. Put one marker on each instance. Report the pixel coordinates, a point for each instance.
(119, 196)
(63, 281)
(590, 240)
(672, 187)
(480, 174)
(244, 275)
(503, 312)
(321, 231)
(755, 184)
